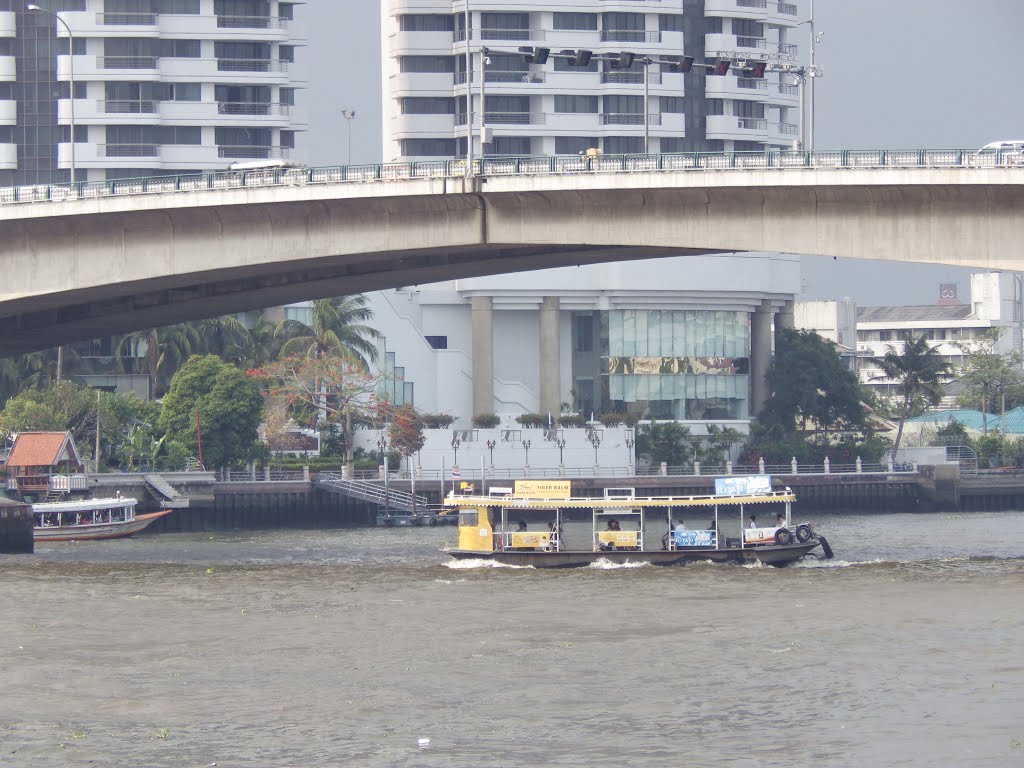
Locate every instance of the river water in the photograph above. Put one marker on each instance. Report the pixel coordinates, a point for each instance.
(350, 647)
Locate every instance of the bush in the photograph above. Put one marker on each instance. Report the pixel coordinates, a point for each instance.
(486, 421)
(572, 420)
(612, 419)
(437, 420)
(532, 420)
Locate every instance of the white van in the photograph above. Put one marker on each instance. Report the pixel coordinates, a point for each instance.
(1006, 152)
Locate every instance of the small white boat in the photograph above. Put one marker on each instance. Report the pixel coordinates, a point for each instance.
(86, 519)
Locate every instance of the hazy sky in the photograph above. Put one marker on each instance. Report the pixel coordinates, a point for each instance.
(897, 74)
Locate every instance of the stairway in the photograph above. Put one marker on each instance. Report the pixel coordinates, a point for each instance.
(165, 493)
(373, 492)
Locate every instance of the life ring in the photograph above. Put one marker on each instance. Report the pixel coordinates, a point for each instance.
(803, 533)
(783, 536)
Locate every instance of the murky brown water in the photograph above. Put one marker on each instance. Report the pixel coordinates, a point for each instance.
(344, 648)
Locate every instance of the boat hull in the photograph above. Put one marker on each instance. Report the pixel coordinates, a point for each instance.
(98, 531)
(769, 555)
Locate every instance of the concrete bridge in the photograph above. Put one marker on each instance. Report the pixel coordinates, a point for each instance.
(98, 258)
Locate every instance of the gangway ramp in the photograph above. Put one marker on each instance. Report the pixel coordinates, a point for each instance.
(373, 492)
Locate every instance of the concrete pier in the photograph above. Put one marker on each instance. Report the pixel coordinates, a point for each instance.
(15, 528)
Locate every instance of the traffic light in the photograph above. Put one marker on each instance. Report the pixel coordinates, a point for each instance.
(680, 63)
(624, 60)
(756, 69)
(534, 55)
(719, 68)
(580, 58)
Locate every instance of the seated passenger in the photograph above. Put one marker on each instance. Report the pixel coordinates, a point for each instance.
(780, 520)
(521, 525)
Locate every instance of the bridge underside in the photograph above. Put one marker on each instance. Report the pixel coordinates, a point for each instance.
(47, 321)
(80, 269)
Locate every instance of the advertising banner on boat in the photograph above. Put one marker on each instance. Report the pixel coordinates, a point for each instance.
(694, 538)
(743, 486)
(542, 489)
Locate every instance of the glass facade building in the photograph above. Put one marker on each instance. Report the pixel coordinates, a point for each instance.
(663, 364)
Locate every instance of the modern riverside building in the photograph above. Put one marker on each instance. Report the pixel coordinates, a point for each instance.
(152, 87)
(586, 95)
(658, 339)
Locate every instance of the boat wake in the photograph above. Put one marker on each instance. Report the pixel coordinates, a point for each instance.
(607, 565)
(810, 562)
(471, 563)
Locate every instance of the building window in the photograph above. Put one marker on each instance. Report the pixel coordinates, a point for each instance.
(505, 26)
(670, 144)
(437, 342)
(567, 103)
(748, 109)
(747, 28)
(426, 22)
(672, 105)
(177, 6)
(563, 65)
(427, 63)
(428, 147)
(178, 49)
(583, 22)
(574, 145)
(426, 105)
(583, 332)
(510, 146)
(713, 25)
(623, 145)
(670, 22)
(714, 107)
(287, 97)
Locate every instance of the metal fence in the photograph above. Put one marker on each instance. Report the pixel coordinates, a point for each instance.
(518, 166)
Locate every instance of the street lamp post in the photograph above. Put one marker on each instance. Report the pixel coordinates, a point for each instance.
(560, 442)
(629, 449)
(349, 115)
(595, 440)
(490, 447)
(526, 447)
(455, 446)
(647, 61)
(382, 444)
(71, 75)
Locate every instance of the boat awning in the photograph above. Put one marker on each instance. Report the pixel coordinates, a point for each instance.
(618, 503)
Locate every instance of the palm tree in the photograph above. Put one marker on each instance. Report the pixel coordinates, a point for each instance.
(918, 372)
(166, 349)
(336, 328)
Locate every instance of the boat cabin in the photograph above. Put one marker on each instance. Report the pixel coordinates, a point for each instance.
(497, 522)
(45, 464)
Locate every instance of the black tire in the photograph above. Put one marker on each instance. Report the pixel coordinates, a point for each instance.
(803, 533)
(826, 548)
(433, 522)
(783, 536)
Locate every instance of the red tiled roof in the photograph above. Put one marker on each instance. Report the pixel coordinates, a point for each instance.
(37, 449)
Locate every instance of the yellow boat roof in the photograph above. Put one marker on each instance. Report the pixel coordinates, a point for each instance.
(618, 502)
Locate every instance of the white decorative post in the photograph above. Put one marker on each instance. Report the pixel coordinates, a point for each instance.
(760, 466)
(793, 465)
(827, 465)
(858, 465)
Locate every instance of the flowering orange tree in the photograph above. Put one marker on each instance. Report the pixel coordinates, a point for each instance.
(405, 430)
(326, 390)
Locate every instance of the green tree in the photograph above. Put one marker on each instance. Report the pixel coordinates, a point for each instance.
(666, 441)
(229, 407)
(405, 430)
(811, 387)
(158, 352)
(337, 327)
(918, 372)
(989, 377)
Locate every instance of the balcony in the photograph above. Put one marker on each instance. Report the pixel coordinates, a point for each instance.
(631, 78)
(752, 123)
(251, 22)
(126, 19)
(630, 36)
(8, 69)
(8, 112)
(7, 24)
(507, 118)
(251, 152)
(252, 65)
(128, 150)
(252, 108)
(126, 107)
(127, 62)
(628, 118)
(503, 76)
(8, 157)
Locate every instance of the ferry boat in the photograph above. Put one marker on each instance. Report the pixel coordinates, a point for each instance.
(85, 519)
(494, 527)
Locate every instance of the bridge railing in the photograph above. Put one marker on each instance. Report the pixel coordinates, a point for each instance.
(517, 166)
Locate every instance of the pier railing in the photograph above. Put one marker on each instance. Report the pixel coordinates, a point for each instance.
(559, 165)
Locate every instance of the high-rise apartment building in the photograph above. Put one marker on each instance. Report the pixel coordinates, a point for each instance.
(159, 86)
(568, 105)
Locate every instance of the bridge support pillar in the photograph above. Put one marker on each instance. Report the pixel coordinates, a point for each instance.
(483, 354)
(760, 355)
(784, 319)
(550, 359)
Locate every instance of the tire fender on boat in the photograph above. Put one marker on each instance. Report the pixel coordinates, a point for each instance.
(803, 533)
(825, 548)
(433, 522)
(783, 536)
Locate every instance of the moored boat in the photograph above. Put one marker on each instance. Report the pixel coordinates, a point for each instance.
(85, 519)
(486, 526)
